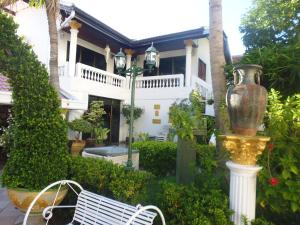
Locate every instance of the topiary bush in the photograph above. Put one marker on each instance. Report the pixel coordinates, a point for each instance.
(38, 155)
(157, 157)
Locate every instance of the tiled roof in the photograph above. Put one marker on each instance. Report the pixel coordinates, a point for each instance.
(4, 85)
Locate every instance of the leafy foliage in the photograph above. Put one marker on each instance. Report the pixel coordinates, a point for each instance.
(271, 31)
(271, 21)
(80, 125)
(187, 115)
(282, 160)
(157, 157)
(137, 112)
(189, 205)
(180, 204)
(109, 179)
(39, 152)
(281, 66)
(95, 117)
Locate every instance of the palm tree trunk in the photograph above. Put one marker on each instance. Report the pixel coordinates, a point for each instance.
(217, 62)
(53, 63)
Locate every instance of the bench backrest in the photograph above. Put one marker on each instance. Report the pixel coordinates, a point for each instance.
(92, 209)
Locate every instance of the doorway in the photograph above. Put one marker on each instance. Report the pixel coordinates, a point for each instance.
(111, 118)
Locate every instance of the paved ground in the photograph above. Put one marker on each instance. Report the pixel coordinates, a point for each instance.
(8, 214)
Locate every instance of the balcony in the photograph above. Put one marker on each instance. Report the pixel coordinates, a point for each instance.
(93, 81)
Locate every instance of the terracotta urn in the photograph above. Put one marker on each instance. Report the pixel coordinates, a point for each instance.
(246, 100)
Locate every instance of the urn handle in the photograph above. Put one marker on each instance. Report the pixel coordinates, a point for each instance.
(257, 76)
(236, 76)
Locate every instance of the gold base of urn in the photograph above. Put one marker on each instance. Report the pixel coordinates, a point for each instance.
(244, 149)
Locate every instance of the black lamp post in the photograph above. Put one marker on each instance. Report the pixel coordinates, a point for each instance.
(133, 72)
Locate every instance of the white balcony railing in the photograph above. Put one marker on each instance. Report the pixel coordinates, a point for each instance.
(204, 87)
(100, 76)
(165, 81)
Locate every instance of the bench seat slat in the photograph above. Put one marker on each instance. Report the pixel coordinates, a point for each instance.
(112, 214)
(112, 202)
(93, 209)
(97, 198)
(117, 209)
(106, 216)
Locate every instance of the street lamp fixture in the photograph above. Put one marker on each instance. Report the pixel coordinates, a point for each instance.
(134, 71)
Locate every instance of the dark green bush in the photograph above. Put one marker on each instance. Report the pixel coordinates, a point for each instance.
(38, 155)
(109, 179)
(157, 157)
(189, 205)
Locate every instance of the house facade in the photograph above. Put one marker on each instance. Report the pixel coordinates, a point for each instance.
(87, 71)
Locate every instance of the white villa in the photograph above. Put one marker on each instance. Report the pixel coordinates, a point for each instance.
(87, 71)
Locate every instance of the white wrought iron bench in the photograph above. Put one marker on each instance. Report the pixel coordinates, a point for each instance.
(94, 209)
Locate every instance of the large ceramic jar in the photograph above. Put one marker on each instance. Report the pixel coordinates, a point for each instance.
(246, 100)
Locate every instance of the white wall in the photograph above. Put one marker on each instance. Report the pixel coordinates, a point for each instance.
(202, 52)
(33, 25)
(164, 97)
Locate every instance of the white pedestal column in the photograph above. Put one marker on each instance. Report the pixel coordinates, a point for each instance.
(73, 46)
(242, 191)
(188, 62)
(129, 53)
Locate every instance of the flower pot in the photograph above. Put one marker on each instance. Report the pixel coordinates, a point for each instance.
(90, 142)
(247, 100)
(21, 199)
(77, 147)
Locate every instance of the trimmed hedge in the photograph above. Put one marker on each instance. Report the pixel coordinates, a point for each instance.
(157, 157)
(109, 179)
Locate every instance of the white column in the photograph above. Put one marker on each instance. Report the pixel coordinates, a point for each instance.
(242, 191)
(188, 62)
(73, 46)
(129, 53)
(107, 58)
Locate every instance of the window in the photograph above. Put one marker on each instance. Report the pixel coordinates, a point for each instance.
(201, 70)
(88, 57)
(172, 65)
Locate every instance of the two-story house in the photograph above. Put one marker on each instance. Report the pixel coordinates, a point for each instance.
(87, 71)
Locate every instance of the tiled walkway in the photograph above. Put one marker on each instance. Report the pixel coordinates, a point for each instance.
(8, 214)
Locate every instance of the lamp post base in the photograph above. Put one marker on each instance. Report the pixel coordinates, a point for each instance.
(242, 191)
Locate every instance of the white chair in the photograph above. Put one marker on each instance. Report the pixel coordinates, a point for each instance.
(94, 209)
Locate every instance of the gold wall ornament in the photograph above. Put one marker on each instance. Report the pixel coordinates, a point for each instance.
(244, 149)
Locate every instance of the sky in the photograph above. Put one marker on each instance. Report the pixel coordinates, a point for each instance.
(139, 19)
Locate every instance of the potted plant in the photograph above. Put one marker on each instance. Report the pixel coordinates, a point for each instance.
(79, 125)
(101, 134)
(38, 155)
(137, 112)
(95, 117)
(186, 117)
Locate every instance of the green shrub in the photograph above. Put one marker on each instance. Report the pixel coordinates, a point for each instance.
(281, 161)
(212, 170)
(188, 205)
(38, 155)
(109, 179)
(157, 157)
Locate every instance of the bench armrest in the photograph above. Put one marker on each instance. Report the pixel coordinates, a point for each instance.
(144, 208)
